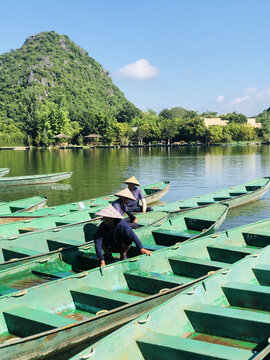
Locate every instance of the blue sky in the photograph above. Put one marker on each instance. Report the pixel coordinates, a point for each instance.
(198, 54)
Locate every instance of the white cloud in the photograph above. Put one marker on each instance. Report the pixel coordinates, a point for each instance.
(220, 98)
(240, 99)
(251, 90)
(140, 70)
(250, 102)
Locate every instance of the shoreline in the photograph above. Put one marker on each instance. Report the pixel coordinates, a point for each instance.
(76, 147)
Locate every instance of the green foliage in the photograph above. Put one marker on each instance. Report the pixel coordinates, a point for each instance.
(192, 130)
(234, 118)
(80, 140)
(215, 134)
(123, 133)
(169, 128)
(264, 119)
(51, 68)
(239, 132)
(209, 114)
(174, 113)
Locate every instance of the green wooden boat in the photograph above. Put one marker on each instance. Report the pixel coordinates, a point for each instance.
(17, 206)
(34, 179)
(52, 317)
(226, 316)
(4, 171)
(152, 193)
(233, 196)
(165, 231)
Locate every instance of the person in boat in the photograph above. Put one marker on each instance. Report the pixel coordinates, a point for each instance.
(120, 205)
(134, 205)
(114, 236)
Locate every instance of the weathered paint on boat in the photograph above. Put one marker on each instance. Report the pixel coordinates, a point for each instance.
(226, 316)
(34, 179)
(233, 196)
(152, 193)
(4, 171)
(79, 308)
(166, 231)
(16, 206)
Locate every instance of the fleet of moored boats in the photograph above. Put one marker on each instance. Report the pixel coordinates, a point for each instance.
(200, 295)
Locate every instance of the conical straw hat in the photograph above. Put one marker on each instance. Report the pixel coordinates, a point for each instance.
(126, 193)
(132, 180)
(110, 212)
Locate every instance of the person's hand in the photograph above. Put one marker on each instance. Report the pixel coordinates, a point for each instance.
(102, 263)
(146, 252)
(135, 221)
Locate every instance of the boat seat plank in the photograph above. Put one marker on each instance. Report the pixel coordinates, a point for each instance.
(262, 273)
(58, 275)
(228, 253)
(257, 238)
(167, 237)
(18, 252)
(236, 324)
(247, 295)
(198, 224)
(253, 187)
(93, 299)
(239, 193)
(23, 321)
(28, 229)
(153, 247)
(194, 267)
(162, 346)
(87, 260)
(15, 208)
(56, 243)
(202, 203)
(151, 282)
(222, 198)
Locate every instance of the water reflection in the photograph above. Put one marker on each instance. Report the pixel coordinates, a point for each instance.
(192, 171)
(35, 188)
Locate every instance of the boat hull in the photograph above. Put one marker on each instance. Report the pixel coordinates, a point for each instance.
(4, 171)
(36, 179)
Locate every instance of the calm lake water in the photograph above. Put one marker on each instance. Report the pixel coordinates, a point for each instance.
(191, 170)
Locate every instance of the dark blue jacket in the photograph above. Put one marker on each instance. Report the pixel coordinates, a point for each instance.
(122, 234)
(122, 209)
(137, 193)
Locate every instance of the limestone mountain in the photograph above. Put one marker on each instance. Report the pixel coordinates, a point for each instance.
(56, 69)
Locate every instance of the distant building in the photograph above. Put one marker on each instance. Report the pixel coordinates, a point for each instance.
(217, 121)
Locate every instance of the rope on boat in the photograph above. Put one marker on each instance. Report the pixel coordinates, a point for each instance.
(226, 271)
(101, 312)
(12, 238)
(81, 275)
(56, 230)
(143, 321)
(87, 356)
(163, 290)
(21, 293)
(43, 260)
(11, 340)
(215, 235)
(191, 292)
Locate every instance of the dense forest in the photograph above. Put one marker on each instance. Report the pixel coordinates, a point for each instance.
(51, 85)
